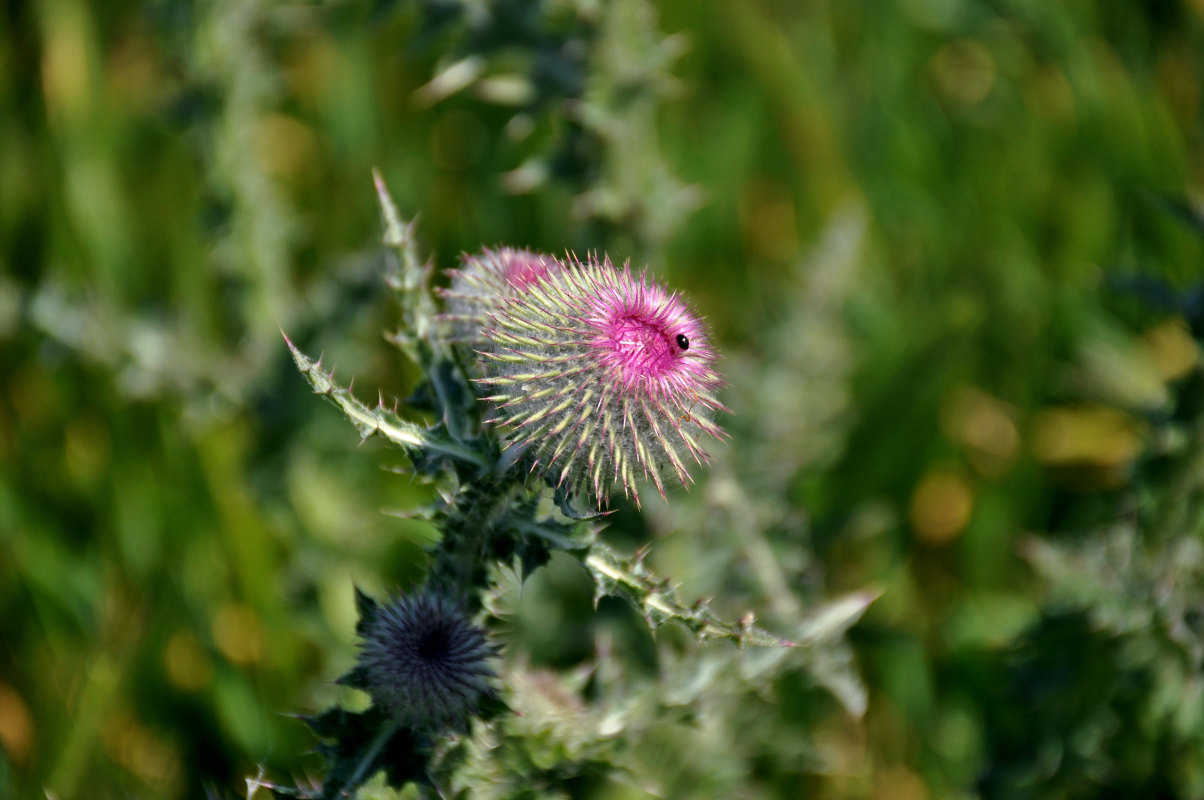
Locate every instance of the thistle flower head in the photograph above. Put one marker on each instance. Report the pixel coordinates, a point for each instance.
(422, 660)
(605, 375)
(483, 280)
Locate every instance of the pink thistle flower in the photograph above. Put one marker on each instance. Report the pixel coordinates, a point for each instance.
(603, 374)
(482, 281)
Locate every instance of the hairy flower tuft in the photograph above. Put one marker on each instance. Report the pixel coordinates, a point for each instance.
(422, 660)
(483, 281)
(603, 375)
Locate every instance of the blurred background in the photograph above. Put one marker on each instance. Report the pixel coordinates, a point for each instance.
(951, 250)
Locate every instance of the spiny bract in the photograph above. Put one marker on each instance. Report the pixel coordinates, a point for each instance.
(422, 660)
(605, 375)
(483, 281)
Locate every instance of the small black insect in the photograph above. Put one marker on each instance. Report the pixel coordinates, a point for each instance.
(683, 342)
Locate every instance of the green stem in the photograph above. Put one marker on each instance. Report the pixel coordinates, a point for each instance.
(382, 737)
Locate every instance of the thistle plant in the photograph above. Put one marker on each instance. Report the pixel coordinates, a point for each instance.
(603, 374)
(593, 377)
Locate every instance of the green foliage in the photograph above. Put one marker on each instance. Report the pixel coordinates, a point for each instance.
(1121, 703)
(1107, 685)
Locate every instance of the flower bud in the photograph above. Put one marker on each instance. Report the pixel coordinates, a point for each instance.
(604, 375)
(483, 281)
(421, 660)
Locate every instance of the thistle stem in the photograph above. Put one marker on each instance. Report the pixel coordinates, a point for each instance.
(362, 768)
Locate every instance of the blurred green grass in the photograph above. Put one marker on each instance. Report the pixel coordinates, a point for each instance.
(899, 217)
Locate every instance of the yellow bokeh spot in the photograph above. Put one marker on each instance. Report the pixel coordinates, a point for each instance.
(964, 71)
(187, 663)
(1089, 435)
(238, 634)
(1170, 349)
(941, 506)
(66, 79)
(144, 752)
(897, 782)
(284, 145)
(985, 426)
(16, 724)
(313, 69)
(1047, 94)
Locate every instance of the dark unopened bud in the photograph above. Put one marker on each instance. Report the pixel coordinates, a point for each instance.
(422, 660)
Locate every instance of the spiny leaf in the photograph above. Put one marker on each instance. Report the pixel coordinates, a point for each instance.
(829, 621)
(418, 442)
(367, 608)
(628, 578)
(409, 278)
